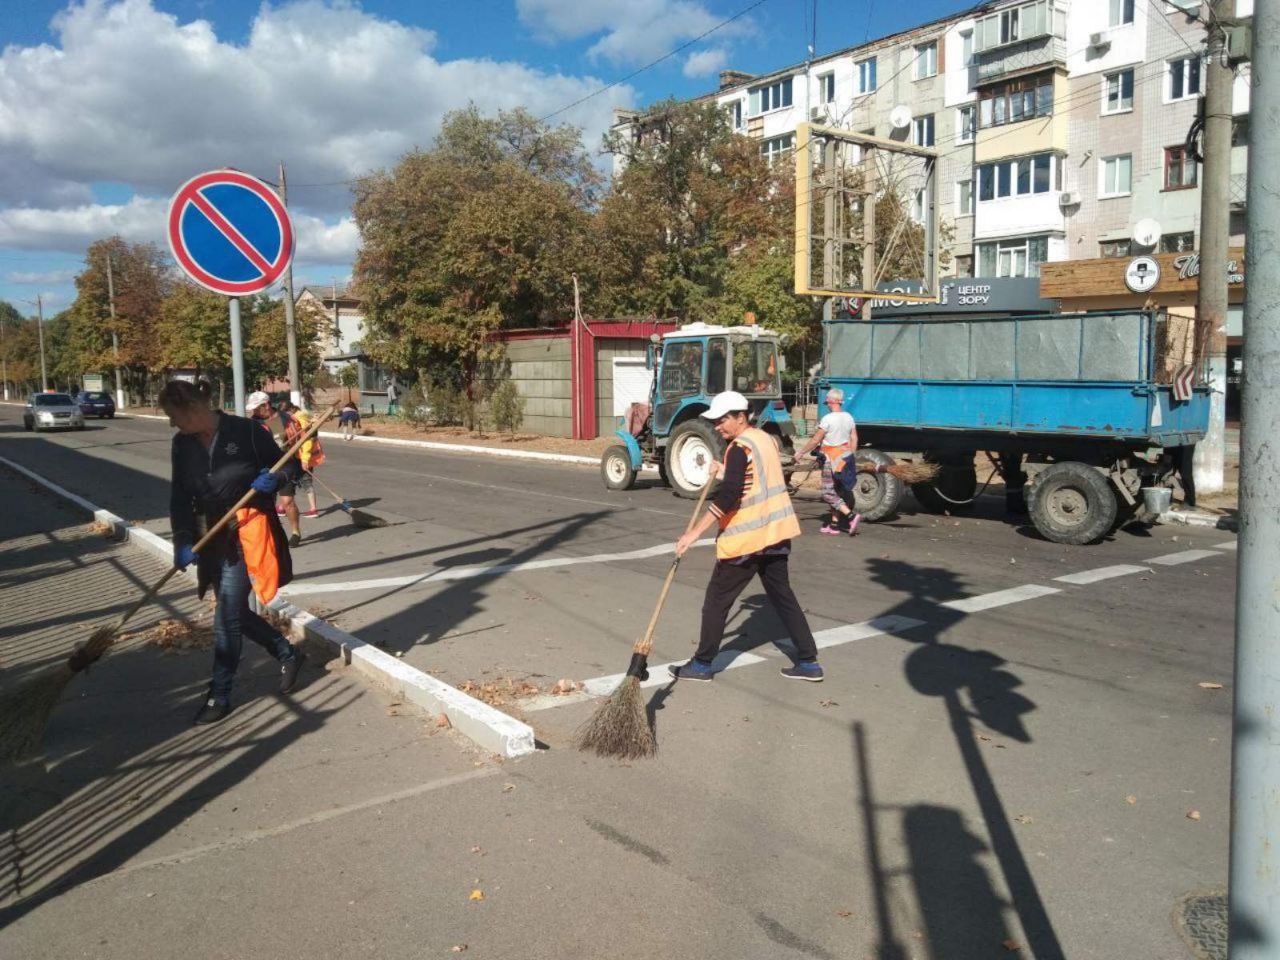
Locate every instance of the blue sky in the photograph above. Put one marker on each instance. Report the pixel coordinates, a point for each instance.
(108, 105)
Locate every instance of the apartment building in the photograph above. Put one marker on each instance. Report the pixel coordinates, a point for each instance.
(1060, 124)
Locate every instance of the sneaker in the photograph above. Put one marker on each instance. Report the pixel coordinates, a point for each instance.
(311, 513)
(213, 711)
(830, 530)
(853, 524)
(803, 670)
(295, 538)
(693, 670)
(289, 670)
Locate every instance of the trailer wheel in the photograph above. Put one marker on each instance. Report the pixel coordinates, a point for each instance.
(616, 469)
(692, 447)
(953, 490)
(877, 495)
(1072, 503)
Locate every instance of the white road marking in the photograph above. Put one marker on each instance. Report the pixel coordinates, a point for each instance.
(1229, 545)
(1186, 556)
(443, 574)
(1102, 573)
(999, 598)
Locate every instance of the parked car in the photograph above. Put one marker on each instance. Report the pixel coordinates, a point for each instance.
(96, 403)
(51, 411)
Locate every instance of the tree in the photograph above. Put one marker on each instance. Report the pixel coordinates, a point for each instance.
(192, 330)
(349, 377)
(267, 350)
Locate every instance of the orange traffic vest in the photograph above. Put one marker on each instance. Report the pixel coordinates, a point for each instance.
(765, 516)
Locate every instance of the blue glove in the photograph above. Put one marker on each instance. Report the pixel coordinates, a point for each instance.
(265, 482)
(184, 556)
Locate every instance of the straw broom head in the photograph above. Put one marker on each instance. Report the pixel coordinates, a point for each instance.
(620, 727)
(907, 471)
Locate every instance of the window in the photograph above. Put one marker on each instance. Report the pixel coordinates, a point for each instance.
(717, 368)
(826, 88)
(1115, 248)
(964, 265)
(1121, 13)
(964, 198)
(966, 48)
(1240, 131)
(1117, 172)
(1020, 257)
(776, 147)
(867, 75)
(1181, 172)
(927, 60)
(1015, 101)
(755, 367)
(917, 206)
(966, 123)
(922, 131)
(1178, 242)
(774, 96)
(1119, 92)
(735, 115)
(682, 369)
(1019, 23)
(1017, 178)
(1184, 78)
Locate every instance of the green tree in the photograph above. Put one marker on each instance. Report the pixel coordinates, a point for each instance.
(192, 330)
(267, 340)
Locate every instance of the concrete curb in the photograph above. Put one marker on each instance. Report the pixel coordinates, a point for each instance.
(488, 727)
(1198, 518)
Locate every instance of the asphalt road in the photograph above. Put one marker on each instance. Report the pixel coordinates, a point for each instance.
(961, 780)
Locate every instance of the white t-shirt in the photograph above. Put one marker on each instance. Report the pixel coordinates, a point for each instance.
(837, 428)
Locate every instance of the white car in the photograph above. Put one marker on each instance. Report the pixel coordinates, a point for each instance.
(52, 411)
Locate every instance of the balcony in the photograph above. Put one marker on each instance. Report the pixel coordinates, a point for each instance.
(1237, 189)
(1023, 56)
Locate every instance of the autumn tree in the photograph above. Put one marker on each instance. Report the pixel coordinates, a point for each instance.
(267, 350)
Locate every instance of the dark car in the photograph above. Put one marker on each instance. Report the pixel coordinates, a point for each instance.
(96, 404)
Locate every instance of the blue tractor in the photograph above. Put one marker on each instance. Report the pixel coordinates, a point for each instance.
(688, 367)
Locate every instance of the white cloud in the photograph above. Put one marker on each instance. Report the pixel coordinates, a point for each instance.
(38, 278)
(703, 62)
(635, 31)
(129, 94)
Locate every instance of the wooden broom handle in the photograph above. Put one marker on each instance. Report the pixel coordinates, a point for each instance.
(646, 642)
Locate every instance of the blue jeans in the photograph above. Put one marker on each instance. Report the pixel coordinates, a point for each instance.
(233, 620)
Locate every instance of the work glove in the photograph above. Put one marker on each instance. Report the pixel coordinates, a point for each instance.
(184, 556)
(265, 482)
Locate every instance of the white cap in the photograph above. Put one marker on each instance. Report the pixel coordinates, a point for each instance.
(254, 400)
(728, 402)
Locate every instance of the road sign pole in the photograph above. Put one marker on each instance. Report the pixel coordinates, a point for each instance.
(1254, 891)
(237, 355)
(290, 331)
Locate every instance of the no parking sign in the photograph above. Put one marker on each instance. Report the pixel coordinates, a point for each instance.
(230, 232)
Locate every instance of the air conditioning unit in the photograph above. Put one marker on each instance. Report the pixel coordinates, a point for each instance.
(1099, 39)
(817, 113)
(1067, 199)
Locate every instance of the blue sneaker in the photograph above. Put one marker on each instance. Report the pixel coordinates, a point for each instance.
(803, 670)
(693, 670)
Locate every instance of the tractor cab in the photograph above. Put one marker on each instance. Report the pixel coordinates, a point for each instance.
(690, 366)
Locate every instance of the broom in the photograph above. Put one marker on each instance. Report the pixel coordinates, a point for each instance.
(24, 710)
(361, 518)
(908, 471)
(619, 727)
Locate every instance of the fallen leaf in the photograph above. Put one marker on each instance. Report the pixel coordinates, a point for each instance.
(508, 787)
(1022, 818)
(458, 948)
(1193, 814)
(981, 737)
(476, 850)
(828, 703)
(476, 895)
(565, 686)
(1131, 799)
(1011, 945)
(442, 720)
(844, 913)
(1209, 685)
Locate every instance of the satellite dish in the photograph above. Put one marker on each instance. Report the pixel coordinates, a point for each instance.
(900, 117)
(1146, 232)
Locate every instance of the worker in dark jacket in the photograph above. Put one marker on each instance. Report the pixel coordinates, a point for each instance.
(216, 458)
(757, 524)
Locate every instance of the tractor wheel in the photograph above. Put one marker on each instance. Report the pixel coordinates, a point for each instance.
(1072, 503)
(692, 447)
(877, 495)
(616, 469)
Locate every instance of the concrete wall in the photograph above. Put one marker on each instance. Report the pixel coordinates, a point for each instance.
(541, 371)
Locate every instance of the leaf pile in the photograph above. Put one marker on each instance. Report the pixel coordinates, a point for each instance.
(175, 636)
(501, 691)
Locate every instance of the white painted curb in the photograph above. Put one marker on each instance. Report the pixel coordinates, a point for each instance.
(490, 728)
(1196, 518)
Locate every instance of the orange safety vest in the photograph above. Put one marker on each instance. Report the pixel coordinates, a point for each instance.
(765, 516)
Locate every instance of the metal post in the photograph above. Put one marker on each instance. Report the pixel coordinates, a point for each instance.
(1211, 301)
(931, 226)
(4, 361)
(44, 372)
(115, 338)
(290, 332)
(237, 355)
(1255, 751)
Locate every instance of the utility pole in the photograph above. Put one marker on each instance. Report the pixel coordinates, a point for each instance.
(115, 338)
(4, 361)
(290, 331)
(44, 372)
(1211, 301)
(1254, 877)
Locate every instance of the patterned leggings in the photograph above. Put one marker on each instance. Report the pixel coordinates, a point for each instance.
(830, 495)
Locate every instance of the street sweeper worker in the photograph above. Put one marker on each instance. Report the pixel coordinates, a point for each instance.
(311, 456)
(284, 429)
(757, 524)
(216, 459)
(835, 439)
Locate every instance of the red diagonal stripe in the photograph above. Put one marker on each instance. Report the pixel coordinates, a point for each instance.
(228, 230)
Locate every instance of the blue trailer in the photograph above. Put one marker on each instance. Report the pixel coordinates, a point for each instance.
(1082, 402)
